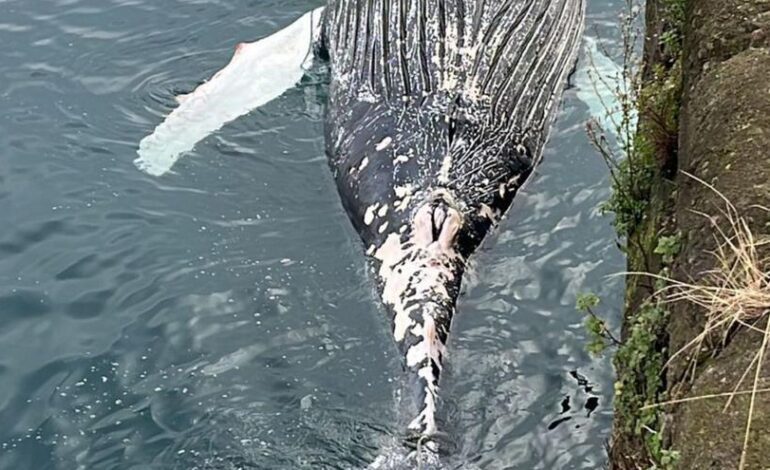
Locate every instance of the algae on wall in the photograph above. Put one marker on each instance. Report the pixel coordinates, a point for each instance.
(704, 109)
(639, 435)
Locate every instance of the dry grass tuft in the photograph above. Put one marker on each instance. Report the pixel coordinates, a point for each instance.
(734, 294)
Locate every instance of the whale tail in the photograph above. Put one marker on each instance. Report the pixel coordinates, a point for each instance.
(258, 73)
(420, 273)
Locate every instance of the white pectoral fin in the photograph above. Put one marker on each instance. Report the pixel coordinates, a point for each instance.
(258, 73)
(599, 83)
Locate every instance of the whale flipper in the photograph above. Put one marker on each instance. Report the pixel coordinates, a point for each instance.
(599, 82)
(259, 72)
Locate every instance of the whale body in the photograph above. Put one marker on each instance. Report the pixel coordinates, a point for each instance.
(438, 112)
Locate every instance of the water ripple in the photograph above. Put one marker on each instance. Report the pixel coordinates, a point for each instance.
(222, 316)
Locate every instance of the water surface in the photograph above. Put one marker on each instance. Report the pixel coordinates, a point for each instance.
(222, 316)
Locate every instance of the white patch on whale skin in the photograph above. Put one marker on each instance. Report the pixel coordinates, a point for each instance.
(402, 204)
(402, 191)
(390, 253)
(426, 420)
(404, 195)
(383, 211)
(446, 165)
(488, 212)
(383, 144)
(369, 214)
(258, 73)
(367, 96)
(363, 164)
(400, 159)
(415, 274)
(430, 346)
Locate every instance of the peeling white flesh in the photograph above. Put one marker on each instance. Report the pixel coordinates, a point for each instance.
(258, 73)
(383, 144)
(415, 274)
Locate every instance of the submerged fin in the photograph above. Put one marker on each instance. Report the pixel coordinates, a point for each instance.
(258, 73)
(598, 80)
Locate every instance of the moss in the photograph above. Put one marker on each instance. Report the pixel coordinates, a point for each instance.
(643, 204)
(673, 31)
(651, 154)
(640, 362)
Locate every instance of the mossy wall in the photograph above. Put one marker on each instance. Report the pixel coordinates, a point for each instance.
(715, 83)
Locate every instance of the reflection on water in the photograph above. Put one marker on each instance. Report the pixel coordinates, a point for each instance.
(221, 316)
